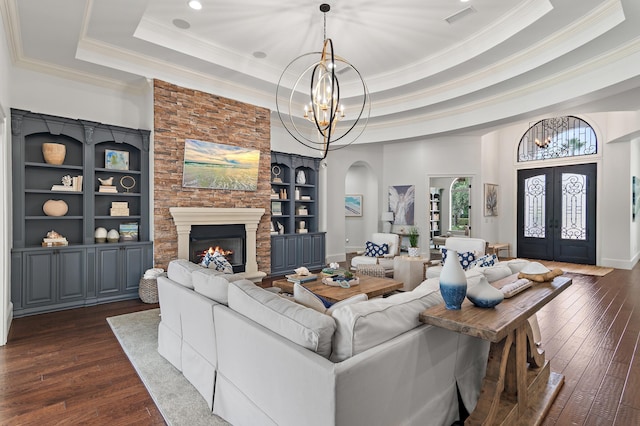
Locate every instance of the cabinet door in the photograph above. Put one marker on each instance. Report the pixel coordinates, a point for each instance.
(292, 250)
(71, 276)
(39, 274)
(108, 271)
(317, 250)
(312, 250)
(277, 254)
(133, 267)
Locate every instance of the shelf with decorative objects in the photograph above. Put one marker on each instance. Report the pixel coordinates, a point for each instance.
(435, 223)
(295, 238)
(59, 165)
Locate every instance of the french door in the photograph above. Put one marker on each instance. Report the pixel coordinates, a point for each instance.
(557, 214)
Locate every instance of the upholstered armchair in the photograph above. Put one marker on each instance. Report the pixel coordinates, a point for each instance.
(461, 245)
(385, 260)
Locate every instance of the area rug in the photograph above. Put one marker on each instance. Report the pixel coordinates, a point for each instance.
(599, 271)
(178, 401)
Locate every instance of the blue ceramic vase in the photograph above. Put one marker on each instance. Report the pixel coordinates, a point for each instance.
(453, 281)
(484, 294)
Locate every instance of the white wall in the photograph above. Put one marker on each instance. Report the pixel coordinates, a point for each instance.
(338, 165)
(413, 163)
(361, 179)
(48, 94)
(6, 310)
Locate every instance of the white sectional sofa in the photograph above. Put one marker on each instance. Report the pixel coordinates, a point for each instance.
(260, 359)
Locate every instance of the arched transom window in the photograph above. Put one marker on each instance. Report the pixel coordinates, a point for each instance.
(558, 137)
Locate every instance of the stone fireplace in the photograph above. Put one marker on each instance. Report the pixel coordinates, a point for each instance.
(186, 217)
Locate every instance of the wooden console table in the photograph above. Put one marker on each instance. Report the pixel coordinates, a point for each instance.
(518, 387)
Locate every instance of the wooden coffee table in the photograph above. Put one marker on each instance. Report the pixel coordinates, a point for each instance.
(518, 387)
(371, 286)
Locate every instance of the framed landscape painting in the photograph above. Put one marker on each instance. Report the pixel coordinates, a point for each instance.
(218, 166)
(353, 205)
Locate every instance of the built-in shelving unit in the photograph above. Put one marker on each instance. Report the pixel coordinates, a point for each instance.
(83, 272)
(295, 239)
(435, 224)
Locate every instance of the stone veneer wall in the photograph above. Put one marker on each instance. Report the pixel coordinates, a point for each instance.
(181, 114)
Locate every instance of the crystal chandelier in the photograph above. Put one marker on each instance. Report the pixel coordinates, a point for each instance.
(321, 120)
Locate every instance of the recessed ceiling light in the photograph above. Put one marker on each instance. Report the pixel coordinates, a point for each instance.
(194, 4)
(181, 23)
(259, 55)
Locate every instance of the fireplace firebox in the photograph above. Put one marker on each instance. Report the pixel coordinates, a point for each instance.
(230, 240)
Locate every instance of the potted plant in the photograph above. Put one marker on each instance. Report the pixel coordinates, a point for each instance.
(414, 251)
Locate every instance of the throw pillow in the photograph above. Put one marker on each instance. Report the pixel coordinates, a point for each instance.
(466, 258)
(375, 250)
(484, 261)
(220, 263)
(306, 297)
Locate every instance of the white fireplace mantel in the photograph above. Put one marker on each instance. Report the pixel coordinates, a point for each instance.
(185, 217)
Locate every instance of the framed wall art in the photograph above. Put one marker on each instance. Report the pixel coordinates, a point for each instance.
(490, 199)
(401, 202)
(353, 205)
(116, 160)
(218, 166)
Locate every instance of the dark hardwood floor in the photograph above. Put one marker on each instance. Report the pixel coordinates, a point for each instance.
(68, 368)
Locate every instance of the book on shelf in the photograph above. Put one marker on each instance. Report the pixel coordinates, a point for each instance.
(63, 188)
(106, 188)
(118, 211)
(74, 186)
(77, 183)
(54, 242)
(295, 278)
(305, 197)
(58, 244)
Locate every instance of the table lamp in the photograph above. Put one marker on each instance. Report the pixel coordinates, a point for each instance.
(386, 218)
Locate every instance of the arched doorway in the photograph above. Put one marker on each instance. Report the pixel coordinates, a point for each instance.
(361, 180)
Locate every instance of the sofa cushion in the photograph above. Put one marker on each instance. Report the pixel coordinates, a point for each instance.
(297, 323)
(361, 326)
(516, 265)
(375, 250)
(213, 284)
(180, 270)
(496, 272)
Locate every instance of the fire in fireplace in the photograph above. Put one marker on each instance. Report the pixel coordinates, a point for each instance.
(229, 240)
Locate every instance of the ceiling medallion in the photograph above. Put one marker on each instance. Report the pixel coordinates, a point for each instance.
(311, 101)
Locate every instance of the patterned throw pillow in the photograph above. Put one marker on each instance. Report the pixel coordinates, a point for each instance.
(466, 258)
(484, 261)
(219, 262)
(375, 250)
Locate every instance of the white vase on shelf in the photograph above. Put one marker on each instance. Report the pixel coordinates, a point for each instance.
(453, 281)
